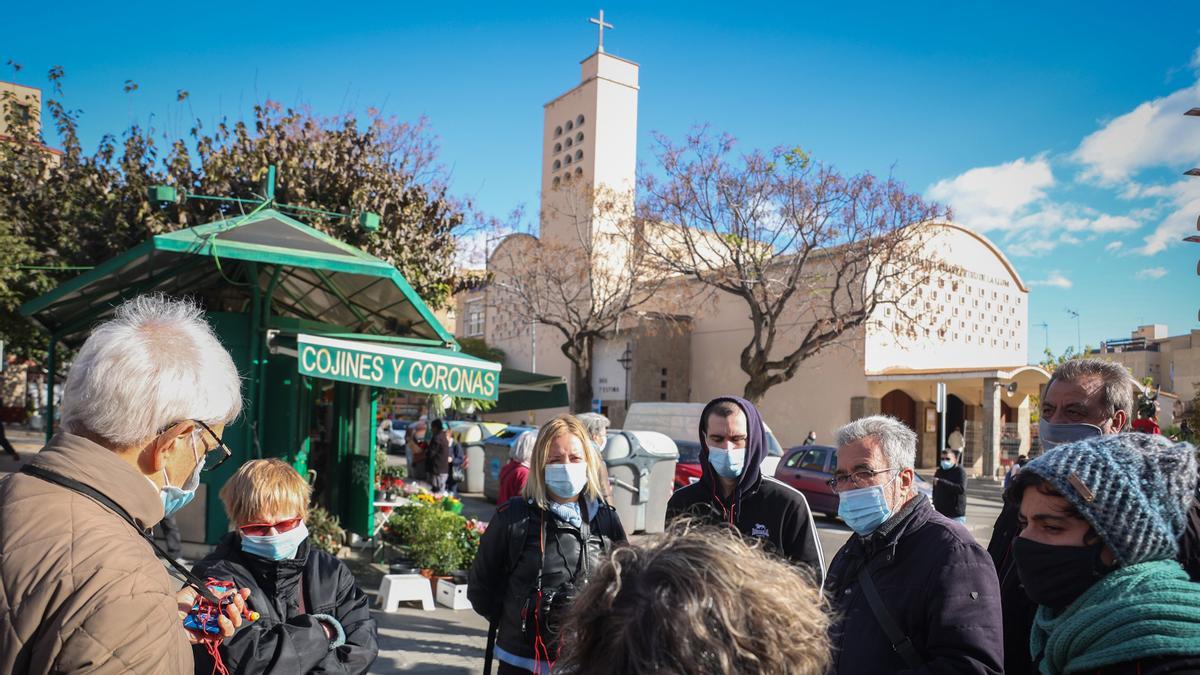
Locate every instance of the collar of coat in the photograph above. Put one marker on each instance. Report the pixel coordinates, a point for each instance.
(913, 514)
(101, 469)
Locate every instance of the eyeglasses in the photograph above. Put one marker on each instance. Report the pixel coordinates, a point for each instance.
(214, 456)
(858, 479)
(264, 529)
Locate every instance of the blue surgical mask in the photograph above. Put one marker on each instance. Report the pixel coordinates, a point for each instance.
(945, 464)
(864, 509)
(175, 498)
(282, 546)
(727, 463)
(1051, 435)
(566, 480)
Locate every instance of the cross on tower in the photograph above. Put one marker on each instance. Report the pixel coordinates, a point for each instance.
(600, 22)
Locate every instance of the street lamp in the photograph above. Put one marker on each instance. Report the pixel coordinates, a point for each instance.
(626, 362)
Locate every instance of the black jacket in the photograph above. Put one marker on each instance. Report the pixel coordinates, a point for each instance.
(506, 568)
(760, 506)
(286, 640)
(950, 491)
(1019, 610)
(772, 512)
(938, 585)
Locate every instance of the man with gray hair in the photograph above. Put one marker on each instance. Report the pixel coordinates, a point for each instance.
(1083, 399)
(912, 590)
(597, 428)
(143, 408)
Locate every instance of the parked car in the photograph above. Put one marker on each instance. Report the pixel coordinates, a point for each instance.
(395, 442)
(687, 467)
(808, 468)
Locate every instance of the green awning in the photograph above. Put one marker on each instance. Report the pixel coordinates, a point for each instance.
(309, 276)
(421, 369)
(523, 390)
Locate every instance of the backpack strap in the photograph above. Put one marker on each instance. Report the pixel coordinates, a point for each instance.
(901, 643)
(99, 497)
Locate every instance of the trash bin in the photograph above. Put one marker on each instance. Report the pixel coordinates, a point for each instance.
(471, 435)
(641, 467)
(495, 456)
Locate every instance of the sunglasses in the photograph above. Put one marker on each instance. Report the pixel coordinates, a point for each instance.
(264, 529)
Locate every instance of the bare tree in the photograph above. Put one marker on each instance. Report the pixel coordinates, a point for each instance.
(812, 253)
(583, 277)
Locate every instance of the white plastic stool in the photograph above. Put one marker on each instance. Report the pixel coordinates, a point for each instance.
(396, 588)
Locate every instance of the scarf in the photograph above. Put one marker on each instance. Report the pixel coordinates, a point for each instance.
(1140, 611)
(569, 512)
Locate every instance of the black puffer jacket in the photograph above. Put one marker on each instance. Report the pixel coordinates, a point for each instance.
(506, 568)
(938, 585)
(286, 640)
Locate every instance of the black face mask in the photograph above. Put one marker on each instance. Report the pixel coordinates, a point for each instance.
(1055, 576)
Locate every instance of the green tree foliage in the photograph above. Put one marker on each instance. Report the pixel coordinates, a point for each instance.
(60, 211)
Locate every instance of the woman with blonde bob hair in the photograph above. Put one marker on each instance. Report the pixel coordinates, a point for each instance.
(540, 549)
(313, 615)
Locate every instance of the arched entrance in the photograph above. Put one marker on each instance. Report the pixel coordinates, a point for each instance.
(901, 406)
(956, 415)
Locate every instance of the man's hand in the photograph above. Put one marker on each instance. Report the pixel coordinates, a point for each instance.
(229, 621)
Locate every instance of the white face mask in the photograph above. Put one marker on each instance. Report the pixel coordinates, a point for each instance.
(566, 480)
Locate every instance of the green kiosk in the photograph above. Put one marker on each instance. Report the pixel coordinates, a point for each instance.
(316, 327)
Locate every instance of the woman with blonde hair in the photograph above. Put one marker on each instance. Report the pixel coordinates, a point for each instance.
(314, 618)
(538, 552)
(696, 602)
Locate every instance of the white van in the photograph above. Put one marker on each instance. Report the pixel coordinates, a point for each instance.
(681, 422)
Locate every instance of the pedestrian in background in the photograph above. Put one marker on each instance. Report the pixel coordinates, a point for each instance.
(597, 428)
(538, 552)
(415, 450)
(314, 618)
(1102, 519)
(515, 473)
(143, 409)
(439, 455)
(1015, 469)
(6, 445)
(950, 487)
(644, 612)
(912, 591)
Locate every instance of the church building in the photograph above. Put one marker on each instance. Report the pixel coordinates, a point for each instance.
(972, 337)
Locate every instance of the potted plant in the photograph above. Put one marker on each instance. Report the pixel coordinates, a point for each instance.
(324, 530)
(435, 544)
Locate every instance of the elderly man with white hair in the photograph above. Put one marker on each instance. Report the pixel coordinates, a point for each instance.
(912, 590)
(144, 405)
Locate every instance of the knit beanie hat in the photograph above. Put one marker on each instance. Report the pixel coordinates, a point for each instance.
(1134, 489)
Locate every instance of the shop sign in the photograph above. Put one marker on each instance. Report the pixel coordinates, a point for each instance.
(394, 367)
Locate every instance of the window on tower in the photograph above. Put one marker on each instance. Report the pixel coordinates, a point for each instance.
(558, 147)
(579, 120)
(578, 171)
(570, 142)
(579, 137)
(567, 159)
(557, 165)
(578, 155)
(556, 180)
(557, 132)
(570, 125)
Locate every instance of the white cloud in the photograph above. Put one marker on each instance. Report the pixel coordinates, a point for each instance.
(989, 197)
(1155, 133)
(1055, 279)
(1114, 246)
(1182, 201)
(1152, 273)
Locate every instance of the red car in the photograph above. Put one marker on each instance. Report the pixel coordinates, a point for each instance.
(687, 468)
(808, 467)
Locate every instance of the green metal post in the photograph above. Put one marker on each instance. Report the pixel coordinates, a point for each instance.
(260, 330)
(271, 183)
(256, 374)
(52, 351)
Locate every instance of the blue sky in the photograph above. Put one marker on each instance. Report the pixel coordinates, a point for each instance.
(1054, 128)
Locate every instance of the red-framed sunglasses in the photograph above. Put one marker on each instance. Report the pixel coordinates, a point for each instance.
(264, 529)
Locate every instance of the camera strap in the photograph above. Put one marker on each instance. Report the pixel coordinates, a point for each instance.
(99, 497)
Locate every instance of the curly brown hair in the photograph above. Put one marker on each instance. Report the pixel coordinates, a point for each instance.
(696, 601)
